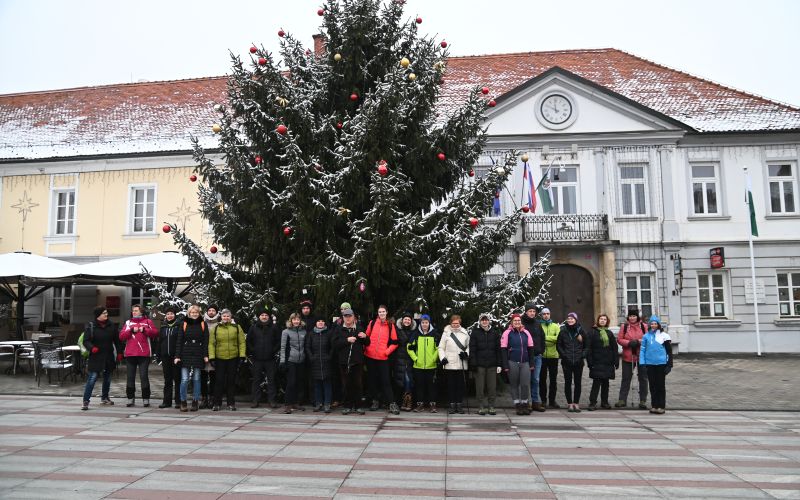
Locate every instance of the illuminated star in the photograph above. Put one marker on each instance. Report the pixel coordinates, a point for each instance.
(25, 206)
(183, 213)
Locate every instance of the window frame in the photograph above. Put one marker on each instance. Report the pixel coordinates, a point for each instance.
(54, 219)
(142, 297)
(726, 296)
(558, 200)
(58, 300)
(482, 171)
(643, 181)
(716, 180)
(131, 223)
(781, 180)
(639, 304)
(794, 305)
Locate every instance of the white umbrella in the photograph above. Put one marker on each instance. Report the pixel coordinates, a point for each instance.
(170, 265)
(24, 264)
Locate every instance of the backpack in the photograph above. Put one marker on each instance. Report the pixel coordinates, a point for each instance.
(84, 350)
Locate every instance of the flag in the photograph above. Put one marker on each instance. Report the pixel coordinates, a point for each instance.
(496, 205)
(752, 207)
(544, 193)
(531, 190)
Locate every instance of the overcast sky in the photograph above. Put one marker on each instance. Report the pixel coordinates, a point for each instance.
(52, 44)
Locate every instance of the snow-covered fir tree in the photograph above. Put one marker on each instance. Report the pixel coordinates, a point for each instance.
(342, 178)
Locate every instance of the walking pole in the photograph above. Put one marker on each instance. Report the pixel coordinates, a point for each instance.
(466, 392)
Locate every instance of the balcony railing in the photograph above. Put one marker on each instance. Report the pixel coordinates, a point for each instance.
(554, 228)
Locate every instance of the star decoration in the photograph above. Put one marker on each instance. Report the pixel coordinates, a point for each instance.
(25, 206)
(183, 213)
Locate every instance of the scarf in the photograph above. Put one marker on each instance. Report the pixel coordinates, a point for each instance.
(319, 330)
(547, 321)
(604, 336)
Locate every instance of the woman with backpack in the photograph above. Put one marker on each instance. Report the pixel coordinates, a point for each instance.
(423, 349)
(603, 360)
(382, 336)
(630, 338)
(100, 340)
(191, 354)
(454, 355)
(517, 346)
(403, 376)
(656, 355)
(570, 350)
(137, 333)
(226, 349)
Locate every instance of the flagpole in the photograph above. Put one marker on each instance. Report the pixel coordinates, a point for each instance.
(753, 267)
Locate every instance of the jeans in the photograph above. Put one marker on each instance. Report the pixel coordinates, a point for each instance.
(627, 375)
(351, 383)
(599, 385)
(455, 385)
(658, 388)
(380, 383)
(486, 378)
(172, 377)
(195, 382)
(537, 369)
(519, 379)
(141, 363)
(91, 379)
(425, 385)
(408, 381)
(549, 368)
(226, 380)
(573, 372)
(323, 391)
(264, 371)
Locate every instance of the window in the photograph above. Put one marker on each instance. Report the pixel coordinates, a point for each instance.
(142, 297)
(633, 189)
(639, 293)
(704, 189)
(64, 212)
(789, 293)
(497, 208)
(782, 188)
(62, 303)
(564, 186)
(711, 293)
(143, 209)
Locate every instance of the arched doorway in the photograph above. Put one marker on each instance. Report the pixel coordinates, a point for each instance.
(572, 290)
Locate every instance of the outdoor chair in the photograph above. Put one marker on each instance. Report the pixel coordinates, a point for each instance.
(25, 353)
(8, 353)
(50, 358)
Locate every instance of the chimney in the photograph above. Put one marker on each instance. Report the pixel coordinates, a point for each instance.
(320, 45)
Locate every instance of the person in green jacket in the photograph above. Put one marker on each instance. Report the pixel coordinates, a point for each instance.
(226, 350)
(423, 347)
(549, 359)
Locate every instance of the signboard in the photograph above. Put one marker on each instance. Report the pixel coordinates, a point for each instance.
(761, 294)
(717, 257)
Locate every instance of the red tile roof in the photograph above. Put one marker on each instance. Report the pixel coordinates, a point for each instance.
(160, 116)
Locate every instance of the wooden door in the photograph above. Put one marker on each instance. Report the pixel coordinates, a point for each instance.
(572, 290)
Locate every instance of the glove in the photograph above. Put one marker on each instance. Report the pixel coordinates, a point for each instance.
(667, 369)
(462, 355)
(445, 361)
(119, 357)
(499, 369)
(95, 350)
(634, 344)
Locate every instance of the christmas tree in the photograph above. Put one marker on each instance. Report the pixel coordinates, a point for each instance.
(343, 181)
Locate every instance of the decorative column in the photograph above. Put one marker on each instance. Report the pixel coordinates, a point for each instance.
(608, 284)
(523, 261)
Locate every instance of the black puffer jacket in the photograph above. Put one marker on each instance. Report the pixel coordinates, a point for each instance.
(319, 353)
(105, 338)
(402, 361)
(168, 338)
(192, 343)
(602, 361)
(263, 341)
(347, 353)
(570, 349)
(484, 348)
(535, 329)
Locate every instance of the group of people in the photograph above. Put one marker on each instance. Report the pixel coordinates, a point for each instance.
(399, 360)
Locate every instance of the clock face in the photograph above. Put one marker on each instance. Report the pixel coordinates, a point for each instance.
(556, 109)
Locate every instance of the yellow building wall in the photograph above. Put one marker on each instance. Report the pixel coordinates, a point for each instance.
(102, 212)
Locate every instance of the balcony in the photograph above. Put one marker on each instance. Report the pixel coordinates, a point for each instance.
(566, 228)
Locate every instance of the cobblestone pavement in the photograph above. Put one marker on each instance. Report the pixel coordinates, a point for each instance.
(51, 449)
(697, 382)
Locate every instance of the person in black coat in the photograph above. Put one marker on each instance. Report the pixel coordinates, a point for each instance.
(167, 342)
(485, 359)
(263, 345)
(191, 352)
(603, 359)
(531, 323)
(101, 339)
(570, 350)
(403, 375)
(349, 341)
(319, 354)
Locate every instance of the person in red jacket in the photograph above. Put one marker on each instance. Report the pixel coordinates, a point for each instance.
(382, 337)
(136, 334)
(630, 338)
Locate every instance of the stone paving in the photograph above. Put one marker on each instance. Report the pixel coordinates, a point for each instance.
(51, 449)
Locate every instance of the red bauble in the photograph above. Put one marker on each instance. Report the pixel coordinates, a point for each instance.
(287, 231)
(320, 12)
(262, 61)
(258, 160)
(443, 44)
(354, 97)
(419, 20)
(281, 129)
(525, 209)
(308, 52)
(492, 103)
(383, 169)
(281, 33)
(473, 222)
(471, 173)
(441, 156)
(339, 125)
(485, 90)
(166, 228)
(213, 249)
(253, 50)
(193, 178)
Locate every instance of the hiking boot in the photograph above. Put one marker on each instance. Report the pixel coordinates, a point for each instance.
(620, 404)
(492, 411)
(642, 405)
(318, 408)
(146, 403)
(297, 407)
(348, 411)
(526, 410)
(231, 407)
(164, 404)
(335, 404)
(661, 411)
(177, 405)
(274, 405)
(653, 410)
(459, 409)
(393, 409)
(538, 407)
(85, 406)
(419, 407)
(205, 403)
(433, 408)
(375, 405)
(451, 409)
(184, 407)
(576, 408)
(553, 405)
(407, 402)
(327, 409)
(195, 406)
(287, 409)
(592, 407)
(360, 411)
(605, 406)
(481, 411)
(255, 404)
(518, 407)
(107, 401)
(215, 408)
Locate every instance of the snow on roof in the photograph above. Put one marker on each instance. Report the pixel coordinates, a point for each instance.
(160, 116)
(16, 264)
(160, 265)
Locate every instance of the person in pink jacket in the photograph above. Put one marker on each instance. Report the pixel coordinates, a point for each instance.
(630, 338)
(136, 333)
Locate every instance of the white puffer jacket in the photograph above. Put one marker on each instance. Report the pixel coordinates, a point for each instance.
(450, 350)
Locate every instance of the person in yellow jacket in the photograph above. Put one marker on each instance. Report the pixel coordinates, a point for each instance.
(551, 330)
(226, 351)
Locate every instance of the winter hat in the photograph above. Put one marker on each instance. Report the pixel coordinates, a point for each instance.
(531, 305)
(656, 319)
(98, 311)
(634, 312)
(345, 305)
(305, 303)
(573, 315)
(485, 315)
(406, 314)
(425, 317)
(545, 310)
(171, 309)
(212, 306)
(225, 311)
(347, 312)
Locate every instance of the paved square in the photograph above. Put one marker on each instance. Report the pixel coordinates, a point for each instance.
(51, 449)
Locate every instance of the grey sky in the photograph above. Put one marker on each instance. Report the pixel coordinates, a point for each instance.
(51, 44)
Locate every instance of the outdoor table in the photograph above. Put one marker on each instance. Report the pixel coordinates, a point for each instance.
(18, 346)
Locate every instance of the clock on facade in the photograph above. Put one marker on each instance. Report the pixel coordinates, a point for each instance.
(556, 110)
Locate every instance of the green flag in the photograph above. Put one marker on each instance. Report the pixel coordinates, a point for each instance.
(752, 207)
(543, 190)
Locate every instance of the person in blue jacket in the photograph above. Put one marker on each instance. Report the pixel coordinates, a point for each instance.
(656, 353)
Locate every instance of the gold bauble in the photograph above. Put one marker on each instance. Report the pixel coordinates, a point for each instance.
(412, 76)
(216, 128)
(337, 57)
(404, 62)
(525, 158)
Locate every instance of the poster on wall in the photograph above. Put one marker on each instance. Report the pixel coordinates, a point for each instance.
(112, 305)
(717, 257)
